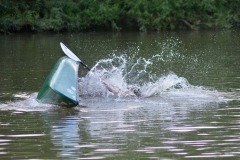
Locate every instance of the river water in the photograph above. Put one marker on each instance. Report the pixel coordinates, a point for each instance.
(190, 109)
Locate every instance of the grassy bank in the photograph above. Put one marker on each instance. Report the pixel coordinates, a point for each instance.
(142, 15)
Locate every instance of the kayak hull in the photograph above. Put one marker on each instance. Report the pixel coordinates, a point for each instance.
(61, 87)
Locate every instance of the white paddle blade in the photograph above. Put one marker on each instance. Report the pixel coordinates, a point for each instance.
(69, 53)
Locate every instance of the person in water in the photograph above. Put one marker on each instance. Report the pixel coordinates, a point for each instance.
(131, 92)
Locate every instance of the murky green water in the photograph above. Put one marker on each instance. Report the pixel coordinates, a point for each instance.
(201, 120)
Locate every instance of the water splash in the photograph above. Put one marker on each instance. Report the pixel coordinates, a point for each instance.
(124, 72)
(28, 103)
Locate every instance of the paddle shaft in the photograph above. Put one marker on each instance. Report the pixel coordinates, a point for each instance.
(85, 66)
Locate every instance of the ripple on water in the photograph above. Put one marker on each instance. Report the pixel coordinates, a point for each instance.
(191, 128)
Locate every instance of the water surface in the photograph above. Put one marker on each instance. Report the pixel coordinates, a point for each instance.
(191, 108)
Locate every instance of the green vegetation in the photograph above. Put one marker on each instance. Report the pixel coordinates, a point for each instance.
(80, 15)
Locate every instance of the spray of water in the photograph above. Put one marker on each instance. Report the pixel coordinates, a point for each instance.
(124, 73)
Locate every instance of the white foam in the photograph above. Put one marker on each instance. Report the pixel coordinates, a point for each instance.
(28, 104)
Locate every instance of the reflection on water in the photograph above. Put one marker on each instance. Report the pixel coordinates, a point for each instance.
(129, 131)
(65, 135)
(125, 129)
(191, 110)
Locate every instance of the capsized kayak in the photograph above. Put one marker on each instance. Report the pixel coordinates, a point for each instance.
(61, 85)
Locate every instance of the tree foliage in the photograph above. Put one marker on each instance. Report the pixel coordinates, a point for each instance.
(78, 15)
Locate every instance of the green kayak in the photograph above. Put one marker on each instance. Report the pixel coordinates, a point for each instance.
(61, 86)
